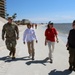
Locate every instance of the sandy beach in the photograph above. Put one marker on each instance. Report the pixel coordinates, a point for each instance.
(23, 65)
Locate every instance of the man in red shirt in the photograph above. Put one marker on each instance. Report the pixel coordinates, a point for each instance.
(50, 34)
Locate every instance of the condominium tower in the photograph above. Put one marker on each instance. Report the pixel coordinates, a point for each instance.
(2, 8)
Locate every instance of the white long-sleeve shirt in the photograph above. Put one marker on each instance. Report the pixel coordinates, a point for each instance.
(29, 35)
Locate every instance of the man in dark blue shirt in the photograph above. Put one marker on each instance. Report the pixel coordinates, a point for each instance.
(71, 45)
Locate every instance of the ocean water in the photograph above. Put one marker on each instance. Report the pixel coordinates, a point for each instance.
(63, 30)
(63, 27)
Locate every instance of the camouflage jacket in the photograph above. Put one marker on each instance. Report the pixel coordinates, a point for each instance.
(10, 31)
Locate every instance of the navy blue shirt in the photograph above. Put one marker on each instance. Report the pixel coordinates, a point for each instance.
(71, 38)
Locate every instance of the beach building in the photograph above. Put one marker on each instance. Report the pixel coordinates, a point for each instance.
(2, 8)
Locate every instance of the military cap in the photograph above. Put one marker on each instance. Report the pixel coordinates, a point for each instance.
(10, 18)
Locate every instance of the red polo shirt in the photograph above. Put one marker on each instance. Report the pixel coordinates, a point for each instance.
(50, 34)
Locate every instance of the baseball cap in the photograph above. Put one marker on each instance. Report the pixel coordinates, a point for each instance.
(10, 18)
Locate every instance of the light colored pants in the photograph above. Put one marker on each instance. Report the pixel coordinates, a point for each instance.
(51, 46)
(31, 48)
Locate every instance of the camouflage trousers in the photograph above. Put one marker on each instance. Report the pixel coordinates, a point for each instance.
(11, 44)
(72, 57)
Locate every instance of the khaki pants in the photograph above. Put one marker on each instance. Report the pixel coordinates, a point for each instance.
(31, 48)
(51, 46)
(72, 57)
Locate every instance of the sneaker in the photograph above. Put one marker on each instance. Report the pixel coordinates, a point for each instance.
(32, 58)
(13, 57)
(70, 68)
(29, 56)
(10, 54)
(73, 68)
(51, 61)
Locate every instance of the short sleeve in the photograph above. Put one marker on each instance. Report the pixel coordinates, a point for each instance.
(55, 31)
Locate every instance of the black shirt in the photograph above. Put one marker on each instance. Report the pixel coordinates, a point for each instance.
(71, 38)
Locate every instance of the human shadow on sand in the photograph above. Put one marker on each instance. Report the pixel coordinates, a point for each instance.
(55, 72)
(8, 59)
(38, 62)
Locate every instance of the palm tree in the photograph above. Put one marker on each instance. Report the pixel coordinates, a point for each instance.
(14, 15)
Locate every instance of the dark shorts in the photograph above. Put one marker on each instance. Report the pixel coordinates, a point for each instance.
(10, 44)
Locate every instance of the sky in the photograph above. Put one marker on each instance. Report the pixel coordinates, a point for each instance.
(42, 11)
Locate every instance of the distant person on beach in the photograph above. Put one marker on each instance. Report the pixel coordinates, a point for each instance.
(50, 34)
(11, 33)
(32, 25)
(29, 37)
(71, 47)
(35, 26)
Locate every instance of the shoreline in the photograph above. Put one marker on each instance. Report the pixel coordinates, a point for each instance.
(40, 66)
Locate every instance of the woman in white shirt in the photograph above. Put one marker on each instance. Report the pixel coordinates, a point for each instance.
(29, 37)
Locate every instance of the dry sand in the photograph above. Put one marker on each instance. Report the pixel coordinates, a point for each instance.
(40, 66)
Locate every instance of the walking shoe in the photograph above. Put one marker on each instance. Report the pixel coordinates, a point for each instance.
(51, 61)
(70, 68)
(10, 54)
(13, 57)
(32, 58)
(29, 56)
(73, 68)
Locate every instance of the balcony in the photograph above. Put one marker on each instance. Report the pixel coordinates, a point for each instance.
(2, 2)
(2, 11)
(2, 7)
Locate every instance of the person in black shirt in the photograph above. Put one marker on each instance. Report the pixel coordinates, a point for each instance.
(71, 45)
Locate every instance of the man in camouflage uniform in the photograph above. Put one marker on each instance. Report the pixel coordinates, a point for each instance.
(11, 33)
